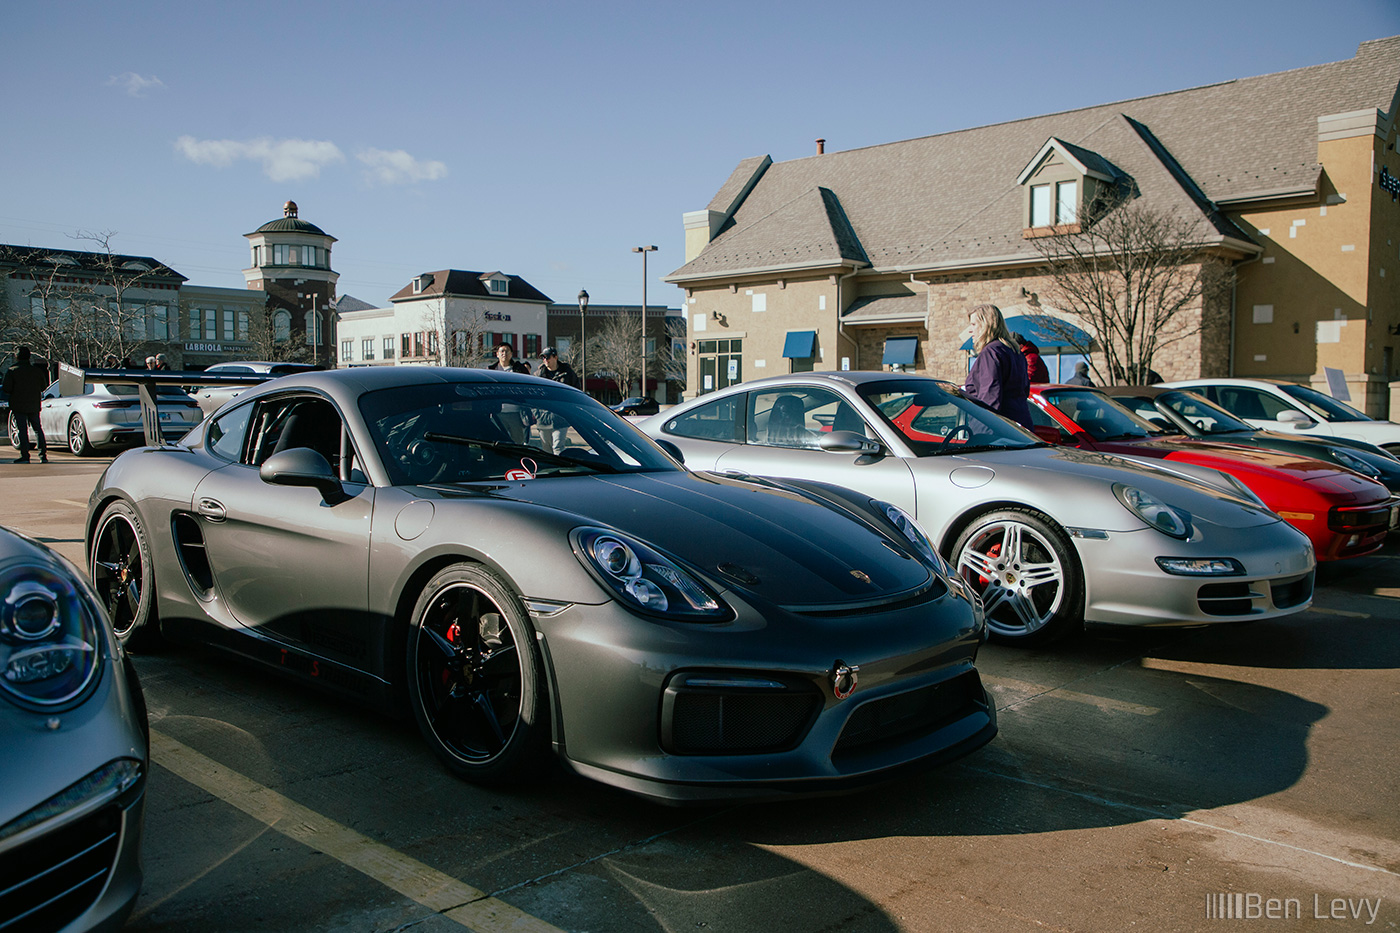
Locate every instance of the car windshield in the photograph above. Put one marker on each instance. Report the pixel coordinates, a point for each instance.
(470, 432)
(1324, 406)
(937, 419)
(1101, 417)
(1209, 417)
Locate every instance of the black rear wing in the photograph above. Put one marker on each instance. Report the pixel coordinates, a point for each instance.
(72, 380)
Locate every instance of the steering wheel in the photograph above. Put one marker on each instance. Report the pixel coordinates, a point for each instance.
(422, 461)
(962, 430)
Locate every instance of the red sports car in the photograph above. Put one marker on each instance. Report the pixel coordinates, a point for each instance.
(1343, 513)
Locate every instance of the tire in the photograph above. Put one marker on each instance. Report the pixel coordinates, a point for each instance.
(1027, 574)
(77, 437)
(122, 575)
(479, 700)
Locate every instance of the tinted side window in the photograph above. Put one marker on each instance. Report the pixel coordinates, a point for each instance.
(720, 420)
(793, 416)
(1244, 402)
(224, 437)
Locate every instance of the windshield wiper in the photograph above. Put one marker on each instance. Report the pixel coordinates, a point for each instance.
(523, 450)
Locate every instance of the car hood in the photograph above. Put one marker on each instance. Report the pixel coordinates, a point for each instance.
(1328, 478)
(762, 537)
(1074, 485)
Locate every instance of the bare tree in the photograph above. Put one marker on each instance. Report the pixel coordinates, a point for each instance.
(614, 349)
(1138, 279)
(273, 339)
(672, 360)
(456, 339)
(80, 307)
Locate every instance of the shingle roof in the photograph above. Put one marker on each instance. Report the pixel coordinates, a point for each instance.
(82, 261)
(953, 199)
(457, 283)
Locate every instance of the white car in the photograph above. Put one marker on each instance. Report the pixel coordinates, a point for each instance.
(211, 397)
(1289, 407)
(108, 417)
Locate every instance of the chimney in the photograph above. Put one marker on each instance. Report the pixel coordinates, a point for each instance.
(821, 146)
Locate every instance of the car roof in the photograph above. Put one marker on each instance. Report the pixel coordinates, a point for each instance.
(346, 385)
(1264, 381)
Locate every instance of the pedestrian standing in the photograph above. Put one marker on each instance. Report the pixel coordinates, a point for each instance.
(160, 362)
(1035, 364)
(515, 417)
(998, 378)
(1081, 375)
(553, 432)
(24, 384)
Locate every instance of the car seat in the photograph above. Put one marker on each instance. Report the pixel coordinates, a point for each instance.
(787, 423)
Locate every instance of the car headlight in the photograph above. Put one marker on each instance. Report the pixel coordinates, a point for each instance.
(911, 530)
(1165, 518)
(49, 638)
(645, 580)
(1352, 462)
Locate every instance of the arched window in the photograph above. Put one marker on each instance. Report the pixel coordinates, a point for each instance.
(313, 328)
(282, 326)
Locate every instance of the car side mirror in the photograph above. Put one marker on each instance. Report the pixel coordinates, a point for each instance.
(1290, 416)
(848, 442)
(671, 449)
(302, 466)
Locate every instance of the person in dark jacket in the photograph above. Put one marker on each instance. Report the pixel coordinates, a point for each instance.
(516, 418)
(1035, 366)
(24, 384)
(1081, 375)
(998, 378)
(551, 367)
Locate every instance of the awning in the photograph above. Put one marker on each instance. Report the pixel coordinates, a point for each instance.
(900, 350)
(1048, 333)
(800, 344)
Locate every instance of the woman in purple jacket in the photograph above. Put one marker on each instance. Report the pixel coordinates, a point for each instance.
(998, 377)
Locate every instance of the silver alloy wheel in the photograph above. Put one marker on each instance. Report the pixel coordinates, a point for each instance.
(1019, 574)
(77, 437)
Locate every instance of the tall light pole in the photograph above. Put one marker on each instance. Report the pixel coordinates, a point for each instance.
(582, 341)
(644, 250)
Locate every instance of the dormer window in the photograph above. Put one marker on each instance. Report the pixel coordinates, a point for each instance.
(135, 266)
(498, 286)
(420, 282)
(1058, 182)
(497, 283)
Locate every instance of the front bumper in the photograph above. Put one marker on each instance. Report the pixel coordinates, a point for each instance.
(685, 713)
(1124, 585)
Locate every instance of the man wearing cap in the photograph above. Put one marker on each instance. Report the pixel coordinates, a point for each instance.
(551, 367)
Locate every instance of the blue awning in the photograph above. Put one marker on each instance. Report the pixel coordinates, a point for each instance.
(900, 350)
(800, 344)
(1048, 333)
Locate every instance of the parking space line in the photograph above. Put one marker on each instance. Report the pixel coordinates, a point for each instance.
(1344, 613)
(435, 890)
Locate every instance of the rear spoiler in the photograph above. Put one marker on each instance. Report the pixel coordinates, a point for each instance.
(72, 381)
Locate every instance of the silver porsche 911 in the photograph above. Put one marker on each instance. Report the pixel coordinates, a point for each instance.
(408, 531)
(1048, 537)
(75, 752)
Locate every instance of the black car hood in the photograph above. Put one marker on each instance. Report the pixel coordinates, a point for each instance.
(762, 537)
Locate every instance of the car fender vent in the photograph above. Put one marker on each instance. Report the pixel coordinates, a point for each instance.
(194, 559)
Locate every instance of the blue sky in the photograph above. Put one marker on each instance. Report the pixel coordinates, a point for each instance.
(544, 139)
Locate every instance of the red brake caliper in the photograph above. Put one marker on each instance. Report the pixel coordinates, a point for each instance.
(453, 631)
(993, 552)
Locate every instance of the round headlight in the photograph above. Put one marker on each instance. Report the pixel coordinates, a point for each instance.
(49, 645)
(1153, 511)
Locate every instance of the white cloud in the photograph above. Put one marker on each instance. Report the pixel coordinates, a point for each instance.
(282, 159)
(398, 167)
(136, 85)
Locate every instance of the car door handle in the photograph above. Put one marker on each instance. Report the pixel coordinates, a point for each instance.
(212, 509)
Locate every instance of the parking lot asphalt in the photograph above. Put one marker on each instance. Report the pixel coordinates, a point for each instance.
(1153, 780)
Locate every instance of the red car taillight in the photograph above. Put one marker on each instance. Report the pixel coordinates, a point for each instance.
(118, 403)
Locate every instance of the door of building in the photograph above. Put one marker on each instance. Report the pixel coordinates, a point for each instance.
(721, 363)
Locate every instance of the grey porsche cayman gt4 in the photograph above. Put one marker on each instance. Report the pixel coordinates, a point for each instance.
(534, 575)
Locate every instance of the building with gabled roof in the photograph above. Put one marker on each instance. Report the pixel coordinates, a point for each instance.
(1283, 175)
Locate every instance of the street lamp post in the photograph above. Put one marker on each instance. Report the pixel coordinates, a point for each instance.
(582, 341)
(644, 250)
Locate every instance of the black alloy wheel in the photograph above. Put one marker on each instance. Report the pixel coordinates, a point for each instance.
(475, 677)
(121, 574)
